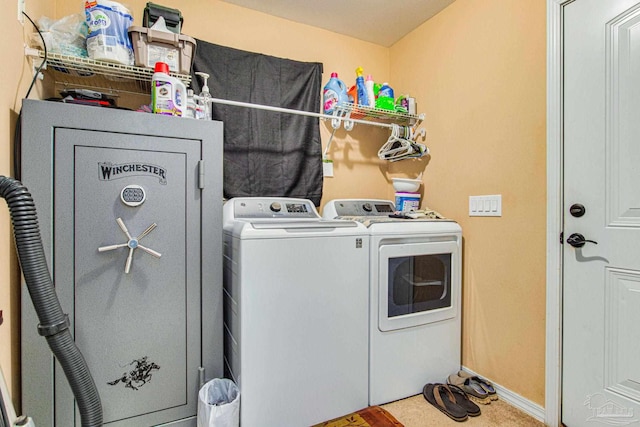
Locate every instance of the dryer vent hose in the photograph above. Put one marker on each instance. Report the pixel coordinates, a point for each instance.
(54, 324)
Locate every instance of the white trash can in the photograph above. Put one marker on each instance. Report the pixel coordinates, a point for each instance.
(219, 404)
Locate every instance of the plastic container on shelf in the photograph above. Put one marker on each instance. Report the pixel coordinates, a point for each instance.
(172, 17)
(152, 45)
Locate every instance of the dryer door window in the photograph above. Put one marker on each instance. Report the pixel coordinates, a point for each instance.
(417, 284)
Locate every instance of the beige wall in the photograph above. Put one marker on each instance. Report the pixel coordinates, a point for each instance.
(485, 129)
(13, 87)
(478, 72)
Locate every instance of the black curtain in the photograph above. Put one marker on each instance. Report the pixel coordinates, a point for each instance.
(266, 153)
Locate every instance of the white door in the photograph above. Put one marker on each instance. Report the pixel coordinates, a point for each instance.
(601, 295)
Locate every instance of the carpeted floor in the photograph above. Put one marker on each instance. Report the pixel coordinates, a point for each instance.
(417, 412)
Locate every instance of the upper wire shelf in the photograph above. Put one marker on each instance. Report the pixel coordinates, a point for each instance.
(72, 71)
(362, 112)
(76, 71)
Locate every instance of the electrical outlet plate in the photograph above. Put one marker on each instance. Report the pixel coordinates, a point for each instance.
(20, 10)
(490, 205)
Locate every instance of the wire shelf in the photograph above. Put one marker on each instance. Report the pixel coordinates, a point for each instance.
(84, 72)
(76, 72)
(371, 113)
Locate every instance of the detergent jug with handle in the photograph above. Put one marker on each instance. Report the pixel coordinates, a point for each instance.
(334, 94)
(168, 94)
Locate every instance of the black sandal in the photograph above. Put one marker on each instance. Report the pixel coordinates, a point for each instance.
(463, 400)
(441, 396)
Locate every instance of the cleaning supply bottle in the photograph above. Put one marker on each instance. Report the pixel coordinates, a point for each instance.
(352, 95)
(376, 89)
(204, 99)
(168, 94)
(191, 105)
(333, 94)
(369, 83)
(361, 88)
(402, 104)
(385, 99)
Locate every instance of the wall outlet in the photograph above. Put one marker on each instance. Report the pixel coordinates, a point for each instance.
(20, 10)
(485, 205)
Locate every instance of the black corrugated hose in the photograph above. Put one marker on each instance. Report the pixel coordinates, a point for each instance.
(54, 324)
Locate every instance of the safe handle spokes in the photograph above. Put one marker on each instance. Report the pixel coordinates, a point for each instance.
(132, 244)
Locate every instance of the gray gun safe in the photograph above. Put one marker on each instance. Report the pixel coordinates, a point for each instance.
(130, 211)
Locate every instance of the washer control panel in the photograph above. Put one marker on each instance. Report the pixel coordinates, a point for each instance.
(270, 207)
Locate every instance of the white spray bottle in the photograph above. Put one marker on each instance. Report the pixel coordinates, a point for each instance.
(204, 99)
(369, 83)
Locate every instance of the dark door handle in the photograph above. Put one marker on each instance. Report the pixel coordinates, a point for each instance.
(577, 240)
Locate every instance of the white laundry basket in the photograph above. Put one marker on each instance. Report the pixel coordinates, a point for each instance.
(219, 404)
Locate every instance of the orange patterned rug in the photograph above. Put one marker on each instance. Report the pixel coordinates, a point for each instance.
(373, 416)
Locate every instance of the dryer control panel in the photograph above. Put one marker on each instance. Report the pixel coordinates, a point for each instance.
(358, 207)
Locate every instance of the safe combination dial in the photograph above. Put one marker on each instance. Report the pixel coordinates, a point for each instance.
(132, 244)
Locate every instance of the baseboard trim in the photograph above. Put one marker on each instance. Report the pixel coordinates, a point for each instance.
(514, 399)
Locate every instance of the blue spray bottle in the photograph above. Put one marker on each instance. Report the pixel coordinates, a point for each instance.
(363, 99)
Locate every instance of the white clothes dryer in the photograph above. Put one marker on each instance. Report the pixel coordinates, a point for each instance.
(296, 312)
(415, 288)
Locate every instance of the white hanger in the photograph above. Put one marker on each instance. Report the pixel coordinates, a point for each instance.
(400, 144)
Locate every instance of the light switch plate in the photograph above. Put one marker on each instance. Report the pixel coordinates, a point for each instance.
(327, 168)
(490, 205)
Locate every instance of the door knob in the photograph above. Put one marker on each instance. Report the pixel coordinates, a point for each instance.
(577, 240)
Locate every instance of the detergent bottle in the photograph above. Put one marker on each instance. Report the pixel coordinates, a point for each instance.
(190, 112)
(385, 99)
(363, 99)
(369, 84)
(334, 94)
(168, 94)
(352, 95)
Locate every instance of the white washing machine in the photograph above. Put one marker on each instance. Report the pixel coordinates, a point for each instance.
(296, 312)
(415, 288)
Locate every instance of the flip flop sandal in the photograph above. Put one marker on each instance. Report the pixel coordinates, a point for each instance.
(440, 396)
(472, 388)
(483, 383)
(463, 400)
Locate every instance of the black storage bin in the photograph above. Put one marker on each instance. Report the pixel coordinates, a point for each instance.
(172, 17)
